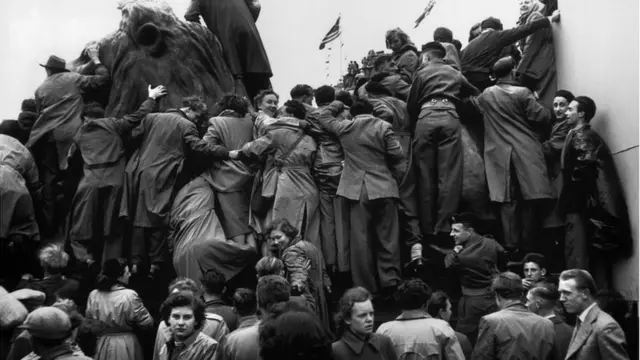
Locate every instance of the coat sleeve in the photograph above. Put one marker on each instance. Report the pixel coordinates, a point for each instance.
(327, 118)
(407, 65)
(535, 111)
(212, 136)
(297, 265)
(258, 148)
(139, 315)
(467, 89)
(506, 37)
(162, 336)
(92, 82)
(612, 343)
(452, 260)
(197, 145)
(394, 154)
(452, 347)
(129, 122)
(193, 11)
(485, 345)
(553, 147)
(413, 101)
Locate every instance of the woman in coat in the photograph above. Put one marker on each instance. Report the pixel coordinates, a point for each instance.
(304, 265)
(286, 187)
(405, 53)
(119, 311)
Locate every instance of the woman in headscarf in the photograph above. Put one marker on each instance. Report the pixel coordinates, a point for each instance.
(405, 53)
(119, 310)
(537, 69)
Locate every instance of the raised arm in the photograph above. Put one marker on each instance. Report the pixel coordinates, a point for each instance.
(199, 146)
(510, 36)
(328, 120)
(101, 77)
(129, 122)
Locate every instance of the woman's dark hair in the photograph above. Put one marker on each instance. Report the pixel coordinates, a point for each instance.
(361, 107)
(234, 102)
(111, 271)
(258, 98)
(413, 294)
(296, 109)
(269, 265)
(293, 332)
(285, 226)
(404, 38)
(183, 299)
(437, 302)
(195, 103)
(345, 305)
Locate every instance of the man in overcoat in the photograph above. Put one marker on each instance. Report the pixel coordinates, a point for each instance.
(154, 174)
(59, 105)
(374, 162)
(514, 161)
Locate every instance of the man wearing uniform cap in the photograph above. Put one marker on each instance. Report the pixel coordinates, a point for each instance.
(515, 165)
(436, 90)
(475, 259)
(59, 104)
(50, 328)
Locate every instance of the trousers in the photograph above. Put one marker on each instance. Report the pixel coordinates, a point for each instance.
(334, 231)
(147, 244)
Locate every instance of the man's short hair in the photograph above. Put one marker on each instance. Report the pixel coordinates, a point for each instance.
(325, 94)
(296, 108)
(583, 279)
(376, 88)
(535, 258)
(183, 283)
(434, 49)
(245, 302)
(413, 294)
(457, 44)
(507, 285)
(361, 107)
(183, 299)
(269, 265)
(586, 105)
(380, 60)
(344, 97)
(443, 34)
(301, 90)
(272, 289)
(547, 292)
(213, 282)
(437, 302)
(53, 258)
(491, 23)
(234, 102)
(195, 103)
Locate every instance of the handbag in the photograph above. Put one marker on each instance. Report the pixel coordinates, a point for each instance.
(260, 205)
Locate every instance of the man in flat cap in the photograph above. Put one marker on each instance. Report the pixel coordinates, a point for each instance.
(59, 105)
(95, 234)
(50, 328)
(515, 165)
(481, 53)
(437, 89)
(475, 259)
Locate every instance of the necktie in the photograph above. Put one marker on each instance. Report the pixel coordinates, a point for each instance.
(577, 328)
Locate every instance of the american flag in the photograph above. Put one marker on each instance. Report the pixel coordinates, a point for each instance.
(425, 13)
(333, 34)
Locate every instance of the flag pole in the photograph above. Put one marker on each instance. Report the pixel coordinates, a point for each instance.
(341, 45)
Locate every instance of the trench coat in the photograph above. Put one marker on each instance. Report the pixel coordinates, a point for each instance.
(315, 278)
(97, 200)
(19, 178)
(407, 61)
(153, 175)
(539, 57)
(59, 103)
(514, 333)
(118, 311)
(288, 181)
(552, 149)
(232, 23)
(510, 142)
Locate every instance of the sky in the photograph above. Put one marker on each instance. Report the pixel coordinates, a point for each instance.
(291, 31)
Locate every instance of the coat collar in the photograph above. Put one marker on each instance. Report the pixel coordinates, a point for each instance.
(581, 335)
(516, 306)
(177, 112)
(56, 352)
(509, 82)
(356, 343)
(413, 316)
(171, 344)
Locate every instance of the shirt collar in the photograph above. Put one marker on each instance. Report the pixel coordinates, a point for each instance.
(584, 314)
(214, 302)
(173, 343)
(414, 315)
(550, 316)
(356, 343)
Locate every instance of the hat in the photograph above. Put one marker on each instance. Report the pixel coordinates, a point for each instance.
(468, 219)
(434, 46)
(93, 110)
(55, 62)
(503, 67)
(48, 323)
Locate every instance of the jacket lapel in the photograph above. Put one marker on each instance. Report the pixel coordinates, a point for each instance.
(581, 335)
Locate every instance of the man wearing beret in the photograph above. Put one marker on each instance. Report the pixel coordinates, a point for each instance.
(475, 260)
(481, 53)
(436, 90)
(50, 328)
(515, 165)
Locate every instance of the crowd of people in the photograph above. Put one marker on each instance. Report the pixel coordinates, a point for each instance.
(224, 231)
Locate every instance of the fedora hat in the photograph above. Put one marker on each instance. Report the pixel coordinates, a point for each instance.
(55, 62)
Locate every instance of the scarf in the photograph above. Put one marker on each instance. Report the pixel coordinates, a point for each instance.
(537, 7)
